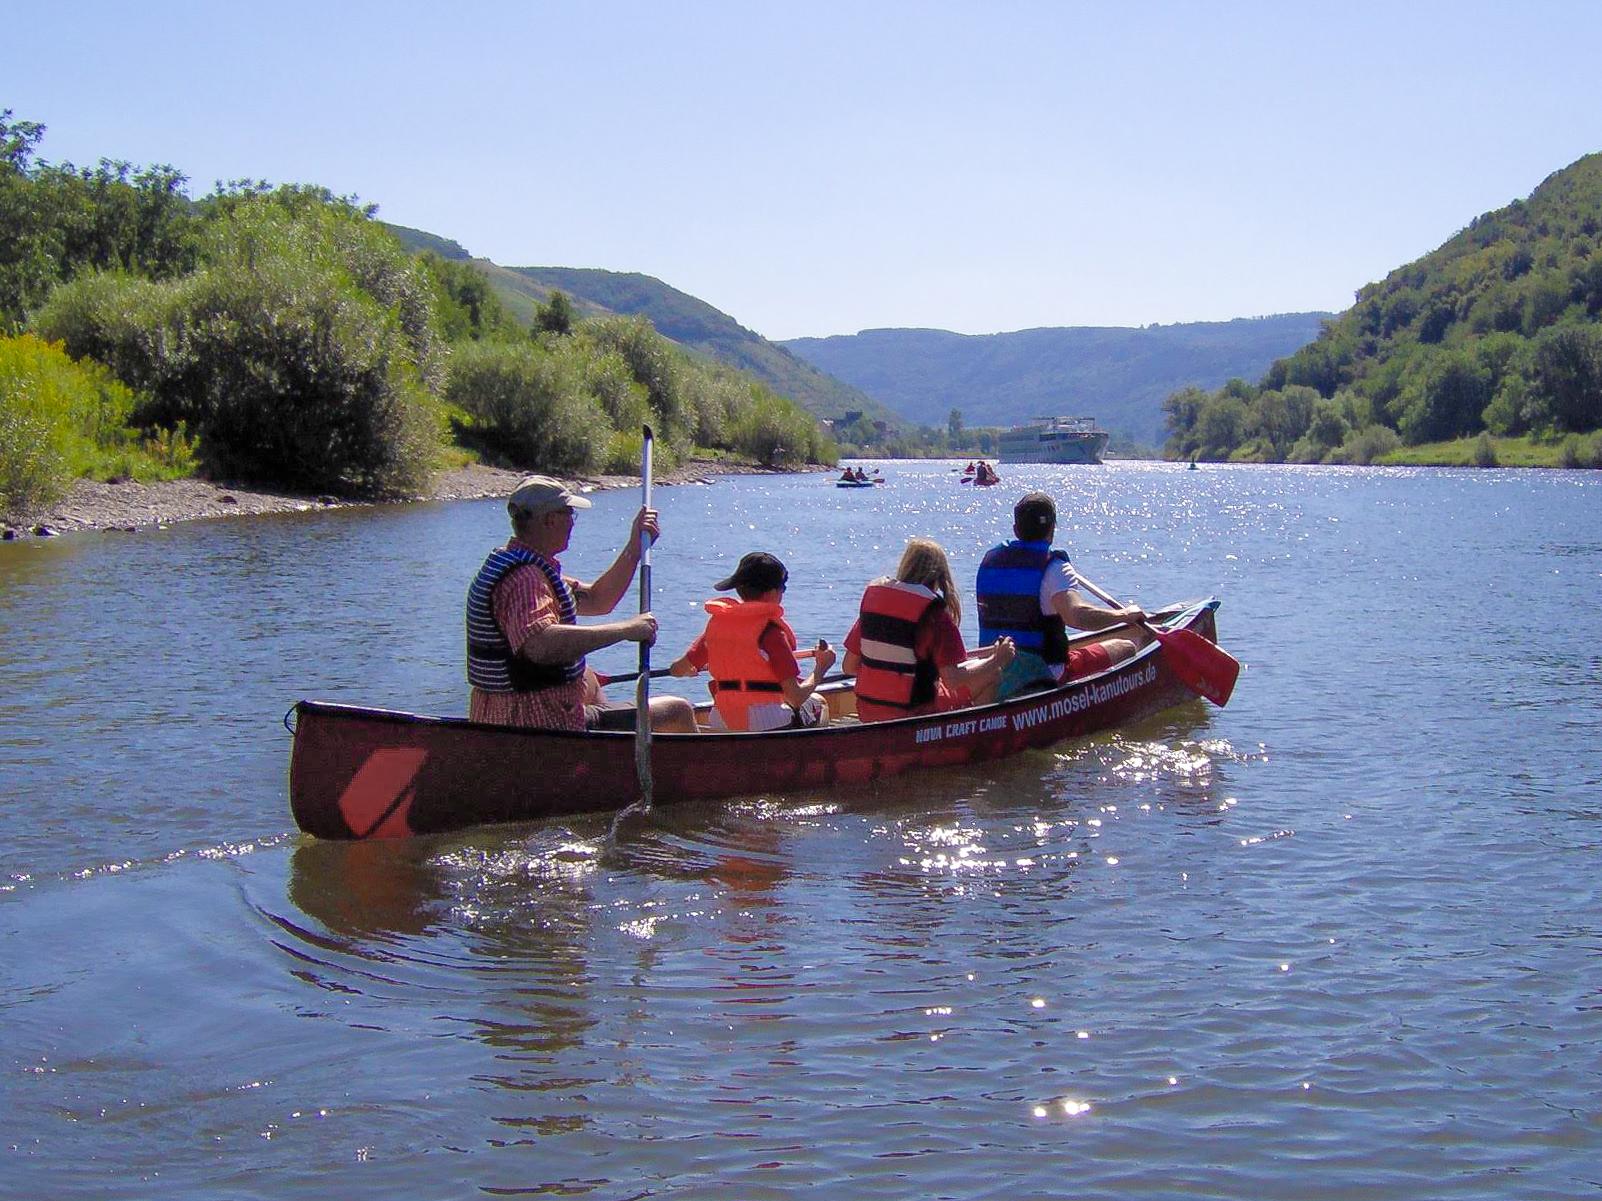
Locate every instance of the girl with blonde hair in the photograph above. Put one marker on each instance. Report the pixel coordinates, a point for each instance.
(906, 648)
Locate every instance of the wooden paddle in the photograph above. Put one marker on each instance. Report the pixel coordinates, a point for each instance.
(1204, 667)
(642, 688)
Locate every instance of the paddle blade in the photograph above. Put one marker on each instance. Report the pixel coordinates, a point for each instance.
(1204, 667)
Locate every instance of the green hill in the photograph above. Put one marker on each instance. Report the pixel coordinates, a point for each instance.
(1495, 331)
(1120, 376)
(690, 322)
(417, 241)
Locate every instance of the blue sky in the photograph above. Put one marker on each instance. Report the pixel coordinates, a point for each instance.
(826, 167)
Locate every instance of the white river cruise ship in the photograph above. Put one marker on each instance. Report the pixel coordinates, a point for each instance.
(1053, 440)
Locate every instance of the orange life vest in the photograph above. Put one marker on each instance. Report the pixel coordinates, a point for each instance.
(741, 673)
(891, 675)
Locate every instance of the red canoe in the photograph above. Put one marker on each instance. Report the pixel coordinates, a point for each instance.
(374, 773)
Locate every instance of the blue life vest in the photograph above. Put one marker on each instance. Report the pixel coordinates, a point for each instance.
(1009, 599)
(491, 665)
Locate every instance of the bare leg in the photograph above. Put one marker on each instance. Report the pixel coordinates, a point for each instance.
(672, 715)
(1119, 649)
(985, 693)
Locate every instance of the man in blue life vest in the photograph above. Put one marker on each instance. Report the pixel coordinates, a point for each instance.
(1028, 591)
(525, 648)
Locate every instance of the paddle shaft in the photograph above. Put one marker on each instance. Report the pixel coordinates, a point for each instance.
(1103, 597)
(659, 673)
(642, 688)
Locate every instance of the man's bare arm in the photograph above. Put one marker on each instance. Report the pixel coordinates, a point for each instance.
(1079, 613)
(558, 643)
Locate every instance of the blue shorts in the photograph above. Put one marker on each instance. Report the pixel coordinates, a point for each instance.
(1026, 670)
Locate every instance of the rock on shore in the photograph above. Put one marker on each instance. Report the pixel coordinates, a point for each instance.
(128, 505)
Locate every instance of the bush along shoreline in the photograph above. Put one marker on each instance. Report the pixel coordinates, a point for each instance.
(282, 339)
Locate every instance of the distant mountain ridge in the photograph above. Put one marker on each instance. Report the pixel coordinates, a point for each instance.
(903, 377)
(1120, 376)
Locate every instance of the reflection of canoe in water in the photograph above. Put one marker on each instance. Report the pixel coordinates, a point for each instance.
(373, 773)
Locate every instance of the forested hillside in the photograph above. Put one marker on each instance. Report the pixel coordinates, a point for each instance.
(688, 321)
(1496, 333)
(1119, 376)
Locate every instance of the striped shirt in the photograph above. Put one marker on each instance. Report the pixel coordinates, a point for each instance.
(524, 603)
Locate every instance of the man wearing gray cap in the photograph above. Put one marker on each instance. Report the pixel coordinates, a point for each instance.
(525, 648)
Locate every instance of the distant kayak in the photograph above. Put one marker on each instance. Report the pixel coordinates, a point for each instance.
(856, 483)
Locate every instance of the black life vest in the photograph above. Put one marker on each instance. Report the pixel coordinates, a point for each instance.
(491, 665)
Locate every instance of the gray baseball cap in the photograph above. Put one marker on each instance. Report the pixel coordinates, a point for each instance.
(537, 494)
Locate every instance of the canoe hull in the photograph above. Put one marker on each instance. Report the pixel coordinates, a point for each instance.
(367, 773)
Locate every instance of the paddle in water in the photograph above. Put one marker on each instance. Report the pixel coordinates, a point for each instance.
(642, 678)
(642, 687)
(1204, 667)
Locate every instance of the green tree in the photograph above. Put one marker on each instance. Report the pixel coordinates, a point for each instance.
(529, 406)
(1280, 417)
(1221, 426)
(1567, 375)
(1326, 430)
(555, 315)
(465, 305)
(59, 221)
(1181, 411)
(27, 253)
(1319, 365)
(1363, 446)
(654, 365)
(954, 427)
(1449, 399)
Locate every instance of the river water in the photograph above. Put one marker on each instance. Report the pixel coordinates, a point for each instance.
(1341, 939)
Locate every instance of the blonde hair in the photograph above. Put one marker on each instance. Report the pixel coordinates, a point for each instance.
(924, 562)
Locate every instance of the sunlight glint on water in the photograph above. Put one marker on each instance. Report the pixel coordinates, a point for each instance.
(1331, 941)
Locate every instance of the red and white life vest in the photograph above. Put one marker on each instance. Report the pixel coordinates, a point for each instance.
(891, 674)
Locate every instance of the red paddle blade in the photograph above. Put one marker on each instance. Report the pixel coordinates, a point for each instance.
(1202, 666)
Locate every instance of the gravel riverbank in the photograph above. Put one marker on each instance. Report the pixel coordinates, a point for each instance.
(131, 506)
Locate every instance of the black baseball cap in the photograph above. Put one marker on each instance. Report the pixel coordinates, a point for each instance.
(757, 572)
(1034, 517)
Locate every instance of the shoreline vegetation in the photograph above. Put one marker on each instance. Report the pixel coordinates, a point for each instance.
(1491, 341)
(128, 506)
(281, 339)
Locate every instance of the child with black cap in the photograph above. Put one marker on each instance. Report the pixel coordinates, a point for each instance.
(751, 652)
